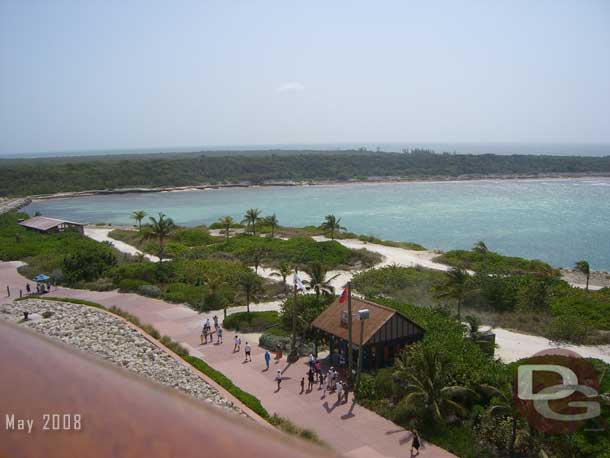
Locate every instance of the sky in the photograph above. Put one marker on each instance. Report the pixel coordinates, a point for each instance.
(111, 74)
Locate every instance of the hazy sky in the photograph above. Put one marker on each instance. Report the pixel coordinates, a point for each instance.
(87, 74)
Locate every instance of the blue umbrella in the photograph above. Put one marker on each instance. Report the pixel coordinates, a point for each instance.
(41, 277)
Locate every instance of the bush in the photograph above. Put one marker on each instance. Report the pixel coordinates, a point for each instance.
(184, 293)
(366, 388)
(149, 290)
(251, 322)
(88, 265)
(269, 341)
(174, 346)
(148, 329)
(283, 424)
(131, 285)
(246, 398)
(568, 328)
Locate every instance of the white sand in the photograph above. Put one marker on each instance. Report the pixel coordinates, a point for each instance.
(100, 234)
(393, 255)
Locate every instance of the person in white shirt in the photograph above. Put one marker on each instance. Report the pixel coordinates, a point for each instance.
(248, 351)
(339, 391)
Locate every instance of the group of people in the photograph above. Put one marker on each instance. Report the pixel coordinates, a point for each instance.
(206, 331)
(331, 381)
(41, 288)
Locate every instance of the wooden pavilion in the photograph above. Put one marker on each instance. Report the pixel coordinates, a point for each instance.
(386, 333)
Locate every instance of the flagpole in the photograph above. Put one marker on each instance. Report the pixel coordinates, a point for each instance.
(293, 356)
(350, 363)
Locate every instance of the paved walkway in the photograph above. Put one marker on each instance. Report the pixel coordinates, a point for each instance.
(350, 429)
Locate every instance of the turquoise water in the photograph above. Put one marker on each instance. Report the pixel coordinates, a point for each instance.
(559, 221)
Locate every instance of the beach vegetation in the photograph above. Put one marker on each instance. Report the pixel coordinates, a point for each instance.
(21, 177)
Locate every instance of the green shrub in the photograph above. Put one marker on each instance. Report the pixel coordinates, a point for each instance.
(184, 293)
(251, 322)
(494, 262)
(131, 285)
(283, 424)
(366, 388)
(568, 328)
(174, 346)
(246, 398)
(149, 290)
(269, 341)
(148, 329)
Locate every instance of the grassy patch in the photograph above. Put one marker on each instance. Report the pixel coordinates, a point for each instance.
(251, 322)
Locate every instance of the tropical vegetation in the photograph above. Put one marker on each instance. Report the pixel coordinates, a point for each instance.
(20, 177)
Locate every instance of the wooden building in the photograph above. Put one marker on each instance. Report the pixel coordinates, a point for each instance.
(386, 332)
(44, 224)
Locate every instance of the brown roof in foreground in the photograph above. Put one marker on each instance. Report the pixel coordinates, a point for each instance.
(330, 319)
(42, 223)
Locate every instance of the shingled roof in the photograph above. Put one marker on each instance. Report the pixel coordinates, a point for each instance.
(332, 320)
(42, 223)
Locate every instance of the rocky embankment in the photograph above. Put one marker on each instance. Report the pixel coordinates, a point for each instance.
(7, 205)
(111, 338)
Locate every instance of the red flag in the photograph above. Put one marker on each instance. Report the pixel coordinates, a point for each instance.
(343, 296)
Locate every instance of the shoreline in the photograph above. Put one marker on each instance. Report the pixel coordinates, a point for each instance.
(289, 183)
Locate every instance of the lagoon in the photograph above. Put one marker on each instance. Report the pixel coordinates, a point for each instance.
(557, 220)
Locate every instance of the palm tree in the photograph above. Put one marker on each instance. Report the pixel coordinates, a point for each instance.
(480, 247)
(273, 223)
(251, 218)
(256, 256)
(226, 222)
(251, 284)
(456, 286)
(331, 224)
(424, 375)
(502, 404)
(317, 279)
(139, 216)
(160, 228)
(283, 270)
(583, 267)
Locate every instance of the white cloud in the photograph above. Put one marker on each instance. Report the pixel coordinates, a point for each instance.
(291, 86)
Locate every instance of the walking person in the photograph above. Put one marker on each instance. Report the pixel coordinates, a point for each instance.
(415, 443)
(310, 379)
(267, 359)
(278, 352)
(8, 291)
(339, 391)
(237, 343)
(278, 379)
(215, 322)
(311, 361)
(219, 336)
(248, 351)
(27, 288)
(203, 334)
(321, 377)
(346, 389)
(302, 385)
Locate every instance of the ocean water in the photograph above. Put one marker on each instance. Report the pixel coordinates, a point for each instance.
(559, 221)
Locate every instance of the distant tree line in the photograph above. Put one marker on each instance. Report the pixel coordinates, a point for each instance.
(42, 176)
